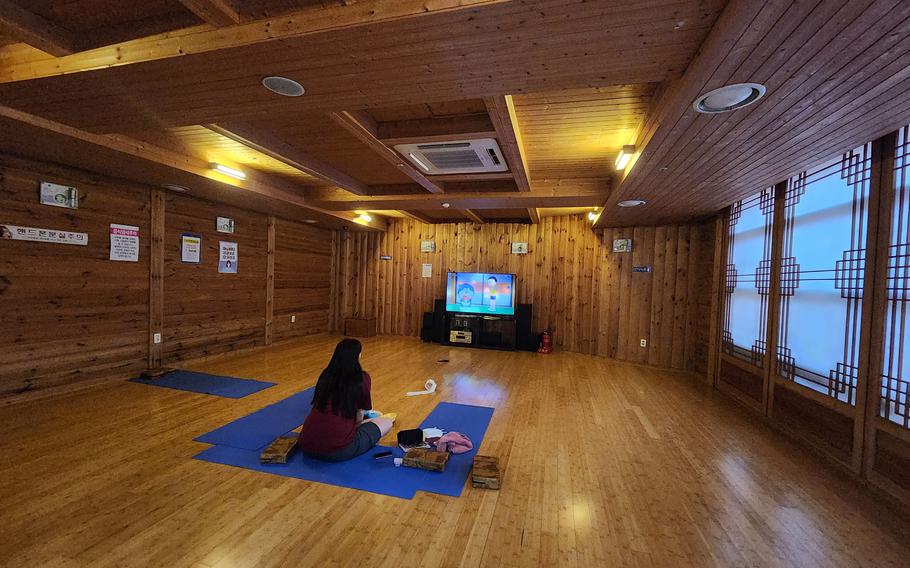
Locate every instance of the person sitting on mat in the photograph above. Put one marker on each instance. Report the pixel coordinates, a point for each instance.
(335, 429)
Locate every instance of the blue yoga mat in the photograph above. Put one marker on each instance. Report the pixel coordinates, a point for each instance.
(255, 431)
(377, 476)
(228, 387)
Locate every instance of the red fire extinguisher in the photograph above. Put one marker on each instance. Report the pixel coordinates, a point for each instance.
(546, 343)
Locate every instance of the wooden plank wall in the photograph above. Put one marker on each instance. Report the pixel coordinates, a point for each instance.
(206, 312)
(303, 279)
(71, 317)
(584, 293)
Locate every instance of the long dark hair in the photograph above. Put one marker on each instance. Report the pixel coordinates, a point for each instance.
(341, 383)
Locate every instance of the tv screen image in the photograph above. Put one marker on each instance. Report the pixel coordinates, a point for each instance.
(482, 293)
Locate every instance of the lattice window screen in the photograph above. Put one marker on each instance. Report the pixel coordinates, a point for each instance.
(748, 276)
(822, 272)
(896, 363)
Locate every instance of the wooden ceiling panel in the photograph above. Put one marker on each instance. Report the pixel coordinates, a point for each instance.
(836, 75)
(318, 135)
(429, 110)
(210, 146)
(103, 22)
(577, 133)
(438, 57)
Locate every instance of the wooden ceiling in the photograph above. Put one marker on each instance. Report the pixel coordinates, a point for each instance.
(561, 85)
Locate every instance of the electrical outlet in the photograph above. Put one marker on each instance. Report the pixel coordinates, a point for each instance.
(157, 338)
(644, 342)
(293, 319)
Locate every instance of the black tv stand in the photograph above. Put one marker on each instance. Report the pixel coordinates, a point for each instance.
(479, 330)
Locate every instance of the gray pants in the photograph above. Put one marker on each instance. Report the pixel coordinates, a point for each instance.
(366, 436)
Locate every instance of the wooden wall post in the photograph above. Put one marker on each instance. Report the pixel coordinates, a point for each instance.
(156, 277)
(270, 282)
(774, 293)
(875, 301)
(717, 294)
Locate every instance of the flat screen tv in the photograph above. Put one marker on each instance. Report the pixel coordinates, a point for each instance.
(481, 293)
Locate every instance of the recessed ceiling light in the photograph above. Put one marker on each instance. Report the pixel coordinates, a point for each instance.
(622, 160)
(631, 203)
(310, 221)
(228, 171)
(446, 205)
(730, 97)
(175, 187)
(283, 86)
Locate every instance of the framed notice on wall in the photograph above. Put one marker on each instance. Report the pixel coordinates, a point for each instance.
(190, 248)
(124, 243)
(227, 257)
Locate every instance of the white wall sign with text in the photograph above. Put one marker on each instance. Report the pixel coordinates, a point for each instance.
(35, 234)
(190, 248)
(227, 258)
(124, 243)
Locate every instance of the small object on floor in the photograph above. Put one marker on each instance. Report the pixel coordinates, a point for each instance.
(429, 387)
(454, 442)
(381, 455)
(442, 361)
(398, 461)
(278, 451)
(426, 459)
(368, 414)
(432, 433)
(390, 416)
(486, 472)
(155, 373)
(412, 439)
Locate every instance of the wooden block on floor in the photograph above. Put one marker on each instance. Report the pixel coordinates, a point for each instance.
(278, 451)
(429, 460)
(486, 472)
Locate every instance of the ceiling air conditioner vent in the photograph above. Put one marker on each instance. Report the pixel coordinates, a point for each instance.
(455, 157)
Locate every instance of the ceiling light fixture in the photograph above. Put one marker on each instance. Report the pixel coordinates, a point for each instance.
(310, 221)
(592, 216)
(364, 217)
(418, 162)
(228, 171)
(729, 97)
(446, 205)
(631, 203)
(622, 160)
(175, 187)
(283, 86)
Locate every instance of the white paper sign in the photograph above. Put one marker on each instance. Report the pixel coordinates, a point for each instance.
(124, 243)
(224, 225)
(190, 248)
(427, 271)
(227, 257)
(17, 233)
(427, 246)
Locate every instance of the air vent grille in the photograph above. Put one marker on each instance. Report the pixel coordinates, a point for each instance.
(455, 156)
(454, 159)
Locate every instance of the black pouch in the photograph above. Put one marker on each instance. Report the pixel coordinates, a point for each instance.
(410, 437)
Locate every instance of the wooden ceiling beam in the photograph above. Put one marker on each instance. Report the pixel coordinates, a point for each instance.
(418, 216)
(218, 13)
(203, 39)
(502, 114)
(457, 178)
(31, 29)
(362, 126)
(274, 147)
(563, 193)
(154, 160)
(474, 216)
(442, 129)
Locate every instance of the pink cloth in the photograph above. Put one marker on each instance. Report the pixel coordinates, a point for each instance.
(454, 442)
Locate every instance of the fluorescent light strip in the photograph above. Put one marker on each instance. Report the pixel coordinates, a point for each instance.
(418, 162)
(622, 160)
(230, 172)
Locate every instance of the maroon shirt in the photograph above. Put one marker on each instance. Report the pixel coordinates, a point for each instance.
(325, 432)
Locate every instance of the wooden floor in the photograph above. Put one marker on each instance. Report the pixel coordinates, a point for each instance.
(606, 464)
